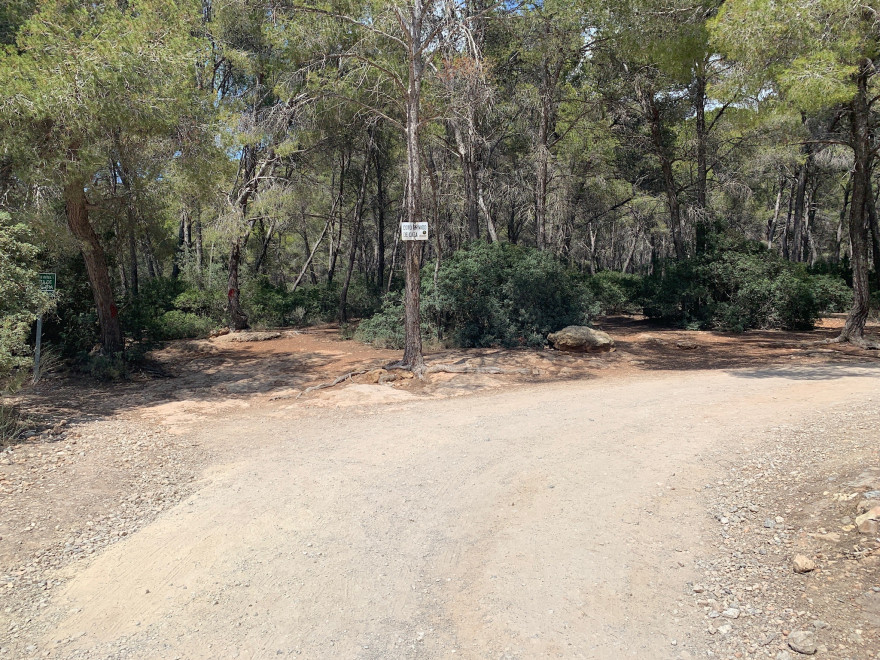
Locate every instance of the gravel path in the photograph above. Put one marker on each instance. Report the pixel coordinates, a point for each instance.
(569, 520)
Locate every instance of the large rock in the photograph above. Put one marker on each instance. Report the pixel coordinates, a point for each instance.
(581, 339)
(244, 336)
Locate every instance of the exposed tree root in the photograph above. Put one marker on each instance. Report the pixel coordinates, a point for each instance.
(323, 386)
(419, 372)
(464, 369)
(860, 342)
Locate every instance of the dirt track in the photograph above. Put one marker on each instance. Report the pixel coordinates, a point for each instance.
(554, 520)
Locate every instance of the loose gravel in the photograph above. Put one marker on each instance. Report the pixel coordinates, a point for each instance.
(67, 494)
(798, 495)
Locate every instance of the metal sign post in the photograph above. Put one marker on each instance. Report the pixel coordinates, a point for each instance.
(47, 285)
(37, 348)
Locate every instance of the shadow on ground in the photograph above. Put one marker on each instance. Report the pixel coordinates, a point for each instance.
(221, 373)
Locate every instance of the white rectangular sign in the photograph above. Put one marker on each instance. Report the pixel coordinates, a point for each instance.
(414, 231)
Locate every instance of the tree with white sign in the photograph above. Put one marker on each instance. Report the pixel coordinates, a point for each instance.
(413, 28)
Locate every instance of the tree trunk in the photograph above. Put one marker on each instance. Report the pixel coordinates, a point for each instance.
(653, 116)
(412, 354)
(264, 247)
(786, 231)
(238, 320)
(96, 267)
(178, 249)
(771, 225)
(875, 232)
(154, 269)
(471, 188)
(629, 257)
(310, 252)
(592, 235)
(187, 233)
(133, 263)
(797, 231)
(542, 175)
(809, 247)
(131, 216)
(490, 220)
(380, 220)
(393, 261)
(701, 218)
(336, 238)
(854, 329)
(148, 258)
(841, 223)
(200, 254)
(355, 233)
(310, 257)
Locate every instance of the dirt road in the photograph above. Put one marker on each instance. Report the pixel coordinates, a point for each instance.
(560, 520)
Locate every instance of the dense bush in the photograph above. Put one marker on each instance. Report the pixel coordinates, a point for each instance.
(266, 304)
(739, 286)
(176, 324)
(502, 294)
(208, 303)
(489, 295)
(141, 314)
(20, 298)
(269, 304)
(616, 293)
(385, 328)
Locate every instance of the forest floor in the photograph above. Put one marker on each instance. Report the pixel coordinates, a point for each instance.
(643, 503)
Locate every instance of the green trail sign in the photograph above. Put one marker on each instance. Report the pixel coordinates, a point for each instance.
(47, 282)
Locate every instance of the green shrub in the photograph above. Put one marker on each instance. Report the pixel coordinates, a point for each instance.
(616, 293)
(73, 325)
(141, 314)
(210, 303)
(21, 300)
(488, 295)
(364, 299)
(833, 295)
(269, 304)
(738, 286)
(183, 325)
(168, 308)
(266, 304)
(104, 367)
(385, 328)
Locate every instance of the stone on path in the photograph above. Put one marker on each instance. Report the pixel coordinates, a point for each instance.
(869, 522)
(581, 339)
(802, 641)
(803, 564)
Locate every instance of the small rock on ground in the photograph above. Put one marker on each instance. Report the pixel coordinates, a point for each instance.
(802, 641)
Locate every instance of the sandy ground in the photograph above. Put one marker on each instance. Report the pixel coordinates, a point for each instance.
(560, 514)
